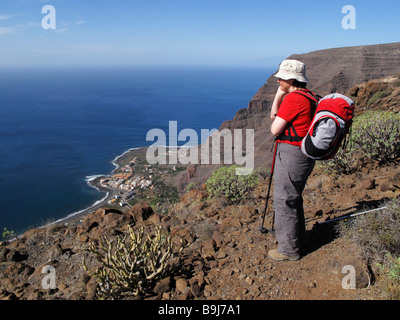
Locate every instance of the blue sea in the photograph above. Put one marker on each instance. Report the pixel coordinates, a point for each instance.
(61, 126)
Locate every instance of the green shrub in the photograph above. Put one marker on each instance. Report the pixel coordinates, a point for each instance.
(8, 234)
(165, 192)
(376, 134)
(224, 182)
(391, 268)
(378, 96)
(190, 186)
(391, 273)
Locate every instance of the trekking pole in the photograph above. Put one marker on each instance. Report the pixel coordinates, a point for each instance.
(262, 228)
(351, 216)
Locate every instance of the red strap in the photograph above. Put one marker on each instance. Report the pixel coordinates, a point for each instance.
(308, 94)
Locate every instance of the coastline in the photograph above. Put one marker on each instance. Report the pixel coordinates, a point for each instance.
(93, 181)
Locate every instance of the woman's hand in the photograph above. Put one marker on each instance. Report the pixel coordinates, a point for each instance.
(277, 102)
(280, 93)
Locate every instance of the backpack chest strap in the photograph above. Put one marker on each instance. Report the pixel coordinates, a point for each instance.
(289, 137)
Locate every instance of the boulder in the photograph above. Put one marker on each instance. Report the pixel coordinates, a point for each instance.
(181, 284)
(208, 248)
(141, 211)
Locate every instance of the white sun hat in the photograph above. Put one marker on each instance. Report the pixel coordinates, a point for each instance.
(292, 69)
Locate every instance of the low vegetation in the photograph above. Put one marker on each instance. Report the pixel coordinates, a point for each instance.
(377, 236)
(130, 265)
(375, 136)
(224, 182)
(8, 234)
(378, 96)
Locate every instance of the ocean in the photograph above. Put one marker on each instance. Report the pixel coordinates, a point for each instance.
(60, 127)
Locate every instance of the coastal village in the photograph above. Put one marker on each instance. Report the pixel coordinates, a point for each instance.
(131, 179)
(125, 182)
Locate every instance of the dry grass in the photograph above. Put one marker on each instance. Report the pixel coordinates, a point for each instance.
(376, 233)
(377, 237)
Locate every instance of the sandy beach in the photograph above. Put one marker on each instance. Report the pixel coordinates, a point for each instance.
(119, 161)
(76, 218)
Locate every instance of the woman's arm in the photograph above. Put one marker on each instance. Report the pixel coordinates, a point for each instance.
(278, 126)
(277, 102)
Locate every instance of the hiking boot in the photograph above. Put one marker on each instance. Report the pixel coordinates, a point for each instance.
(275, 255)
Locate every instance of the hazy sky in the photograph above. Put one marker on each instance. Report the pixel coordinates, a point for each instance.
(195, 32)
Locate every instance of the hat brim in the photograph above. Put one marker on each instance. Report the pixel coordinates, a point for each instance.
(289, 76)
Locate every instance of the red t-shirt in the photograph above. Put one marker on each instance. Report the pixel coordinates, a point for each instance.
(297, 110)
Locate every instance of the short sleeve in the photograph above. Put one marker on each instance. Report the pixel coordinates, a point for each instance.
(289, 108)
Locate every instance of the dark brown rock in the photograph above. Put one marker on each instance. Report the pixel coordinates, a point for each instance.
(141, 211)
(208, 248)
(17, 256)
(181, 284)
(162, 286)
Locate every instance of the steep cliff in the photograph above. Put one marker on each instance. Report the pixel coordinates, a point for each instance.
(329, 70)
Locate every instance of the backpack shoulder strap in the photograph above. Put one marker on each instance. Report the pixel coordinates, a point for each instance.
(309, 94)
(315, 99)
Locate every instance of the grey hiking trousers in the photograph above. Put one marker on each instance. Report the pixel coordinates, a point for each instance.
(291, 172)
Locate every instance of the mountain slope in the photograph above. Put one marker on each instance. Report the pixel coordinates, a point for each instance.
(328, 70)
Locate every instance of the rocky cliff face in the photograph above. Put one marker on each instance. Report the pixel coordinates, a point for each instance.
(330, 70)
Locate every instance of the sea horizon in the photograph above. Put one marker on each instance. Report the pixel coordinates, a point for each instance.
(60, 127)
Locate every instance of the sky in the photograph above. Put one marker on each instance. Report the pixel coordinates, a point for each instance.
(186, 32)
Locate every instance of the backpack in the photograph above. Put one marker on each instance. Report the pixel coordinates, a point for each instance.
(331, 123)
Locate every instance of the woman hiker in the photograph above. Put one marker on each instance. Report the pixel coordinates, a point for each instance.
(292, 114)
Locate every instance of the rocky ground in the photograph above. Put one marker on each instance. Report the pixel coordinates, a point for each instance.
(227, 256)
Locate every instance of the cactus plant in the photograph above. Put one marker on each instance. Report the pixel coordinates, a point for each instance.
(130, 264)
